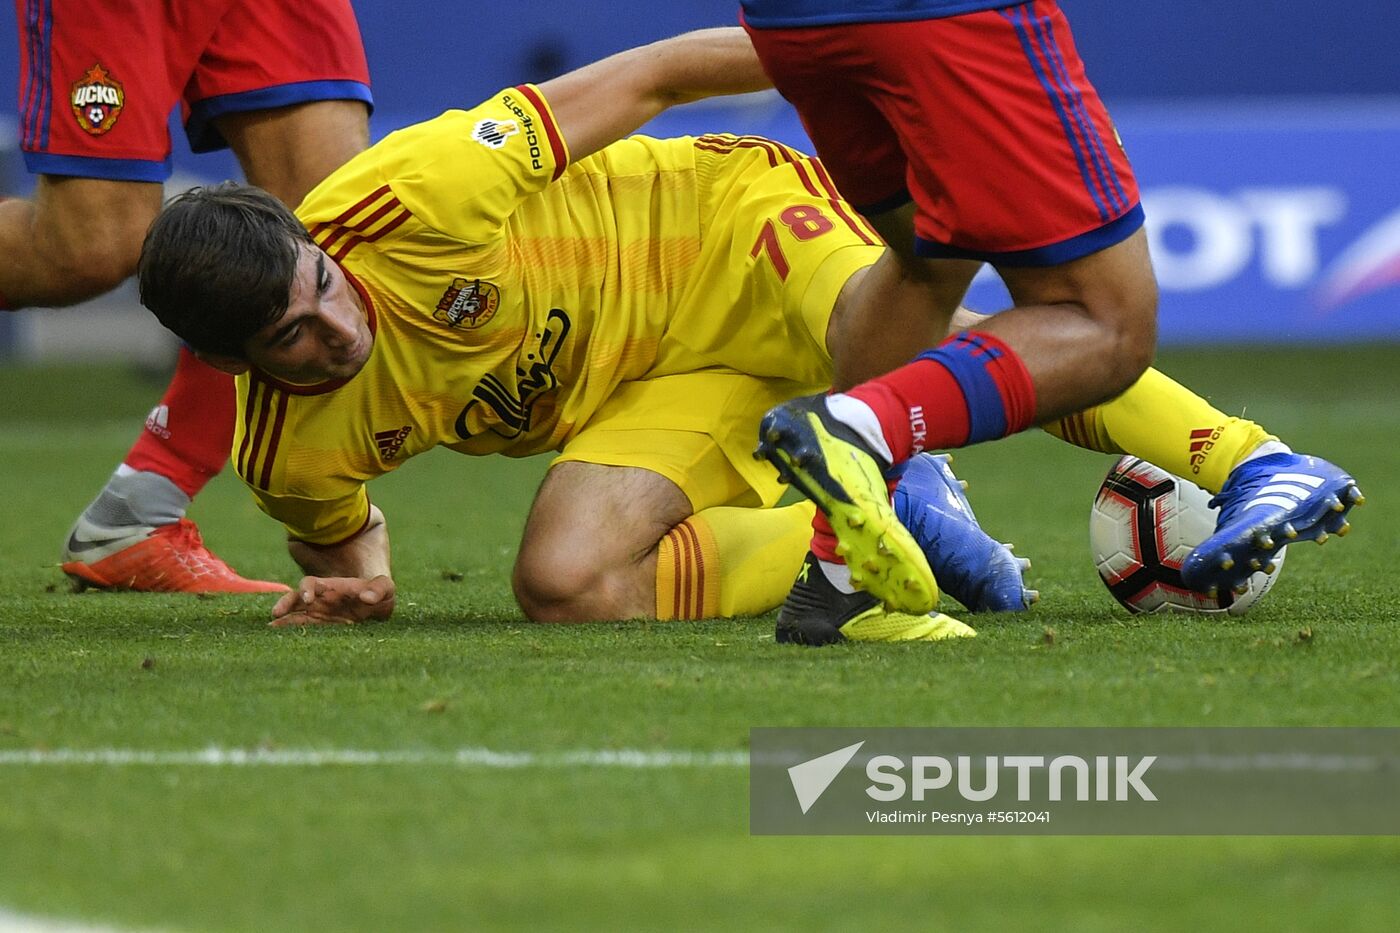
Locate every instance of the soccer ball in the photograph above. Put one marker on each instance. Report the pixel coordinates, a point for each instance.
(1143, 524)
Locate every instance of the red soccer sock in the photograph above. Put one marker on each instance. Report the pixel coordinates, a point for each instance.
(188, 435)
(970, 388)
(824, 539)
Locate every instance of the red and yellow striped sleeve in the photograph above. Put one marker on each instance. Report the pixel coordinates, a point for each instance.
(321, 506)
(464, 172)
(365, 221)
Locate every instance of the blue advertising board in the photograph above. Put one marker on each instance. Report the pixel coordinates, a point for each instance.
(1272, 223)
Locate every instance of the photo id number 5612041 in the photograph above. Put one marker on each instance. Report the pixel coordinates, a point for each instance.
(1018, 816)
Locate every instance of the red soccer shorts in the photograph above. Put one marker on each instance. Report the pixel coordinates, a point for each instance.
(98, 80)
(985, 120)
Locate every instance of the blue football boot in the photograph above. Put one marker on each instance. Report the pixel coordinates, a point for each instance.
(1267, 504)
(969, 565)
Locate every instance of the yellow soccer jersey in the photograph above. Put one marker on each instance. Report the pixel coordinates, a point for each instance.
(509, 292)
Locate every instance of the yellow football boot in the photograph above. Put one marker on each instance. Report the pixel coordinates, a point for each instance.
(832, 466)
(816, 613)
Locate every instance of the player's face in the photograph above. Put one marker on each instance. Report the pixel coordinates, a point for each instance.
(324, 334)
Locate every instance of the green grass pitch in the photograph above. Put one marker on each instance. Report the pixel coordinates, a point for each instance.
(427, 844)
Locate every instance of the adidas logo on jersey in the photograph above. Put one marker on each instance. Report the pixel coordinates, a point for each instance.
(158, 422)
(390, 442)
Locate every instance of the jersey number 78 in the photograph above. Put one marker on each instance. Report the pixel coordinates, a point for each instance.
(805, 221)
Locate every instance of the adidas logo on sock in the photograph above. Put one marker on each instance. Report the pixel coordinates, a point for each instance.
(158, 422)
(1202, 440)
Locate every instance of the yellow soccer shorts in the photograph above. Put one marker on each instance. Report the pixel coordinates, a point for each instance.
(697, 430)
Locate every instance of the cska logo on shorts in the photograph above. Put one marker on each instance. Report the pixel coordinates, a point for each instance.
(494, 133)
(468, 303)
(97, 101)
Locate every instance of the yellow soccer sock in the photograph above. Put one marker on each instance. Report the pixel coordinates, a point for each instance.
(724, 562)
(1084, 429)
(1165, 423)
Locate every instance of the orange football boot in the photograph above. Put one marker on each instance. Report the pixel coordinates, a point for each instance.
(168, 559)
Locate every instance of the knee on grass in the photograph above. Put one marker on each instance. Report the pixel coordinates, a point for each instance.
(573, 588)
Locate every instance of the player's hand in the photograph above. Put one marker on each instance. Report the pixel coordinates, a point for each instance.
(335, 601)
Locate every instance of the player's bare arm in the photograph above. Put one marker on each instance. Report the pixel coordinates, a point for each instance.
(600, 103)
(345, 583)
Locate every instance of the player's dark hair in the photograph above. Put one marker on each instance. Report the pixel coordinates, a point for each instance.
(218, 265)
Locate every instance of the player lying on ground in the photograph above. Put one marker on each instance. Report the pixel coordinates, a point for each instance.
(496, 281)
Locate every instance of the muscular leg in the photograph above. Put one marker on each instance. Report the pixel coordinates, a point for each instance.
(290, 150)
(589, 548)
(899, 306)
(1081, 333)
(1086, 329)
(1155, 419)
(78, 238)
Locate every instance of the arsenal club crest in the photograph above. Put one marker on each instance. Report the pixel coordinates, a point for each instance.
(97, 101)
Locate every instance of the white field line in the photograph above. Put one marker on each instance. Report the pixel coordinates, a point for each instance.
(217, 757)
(22, 923)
